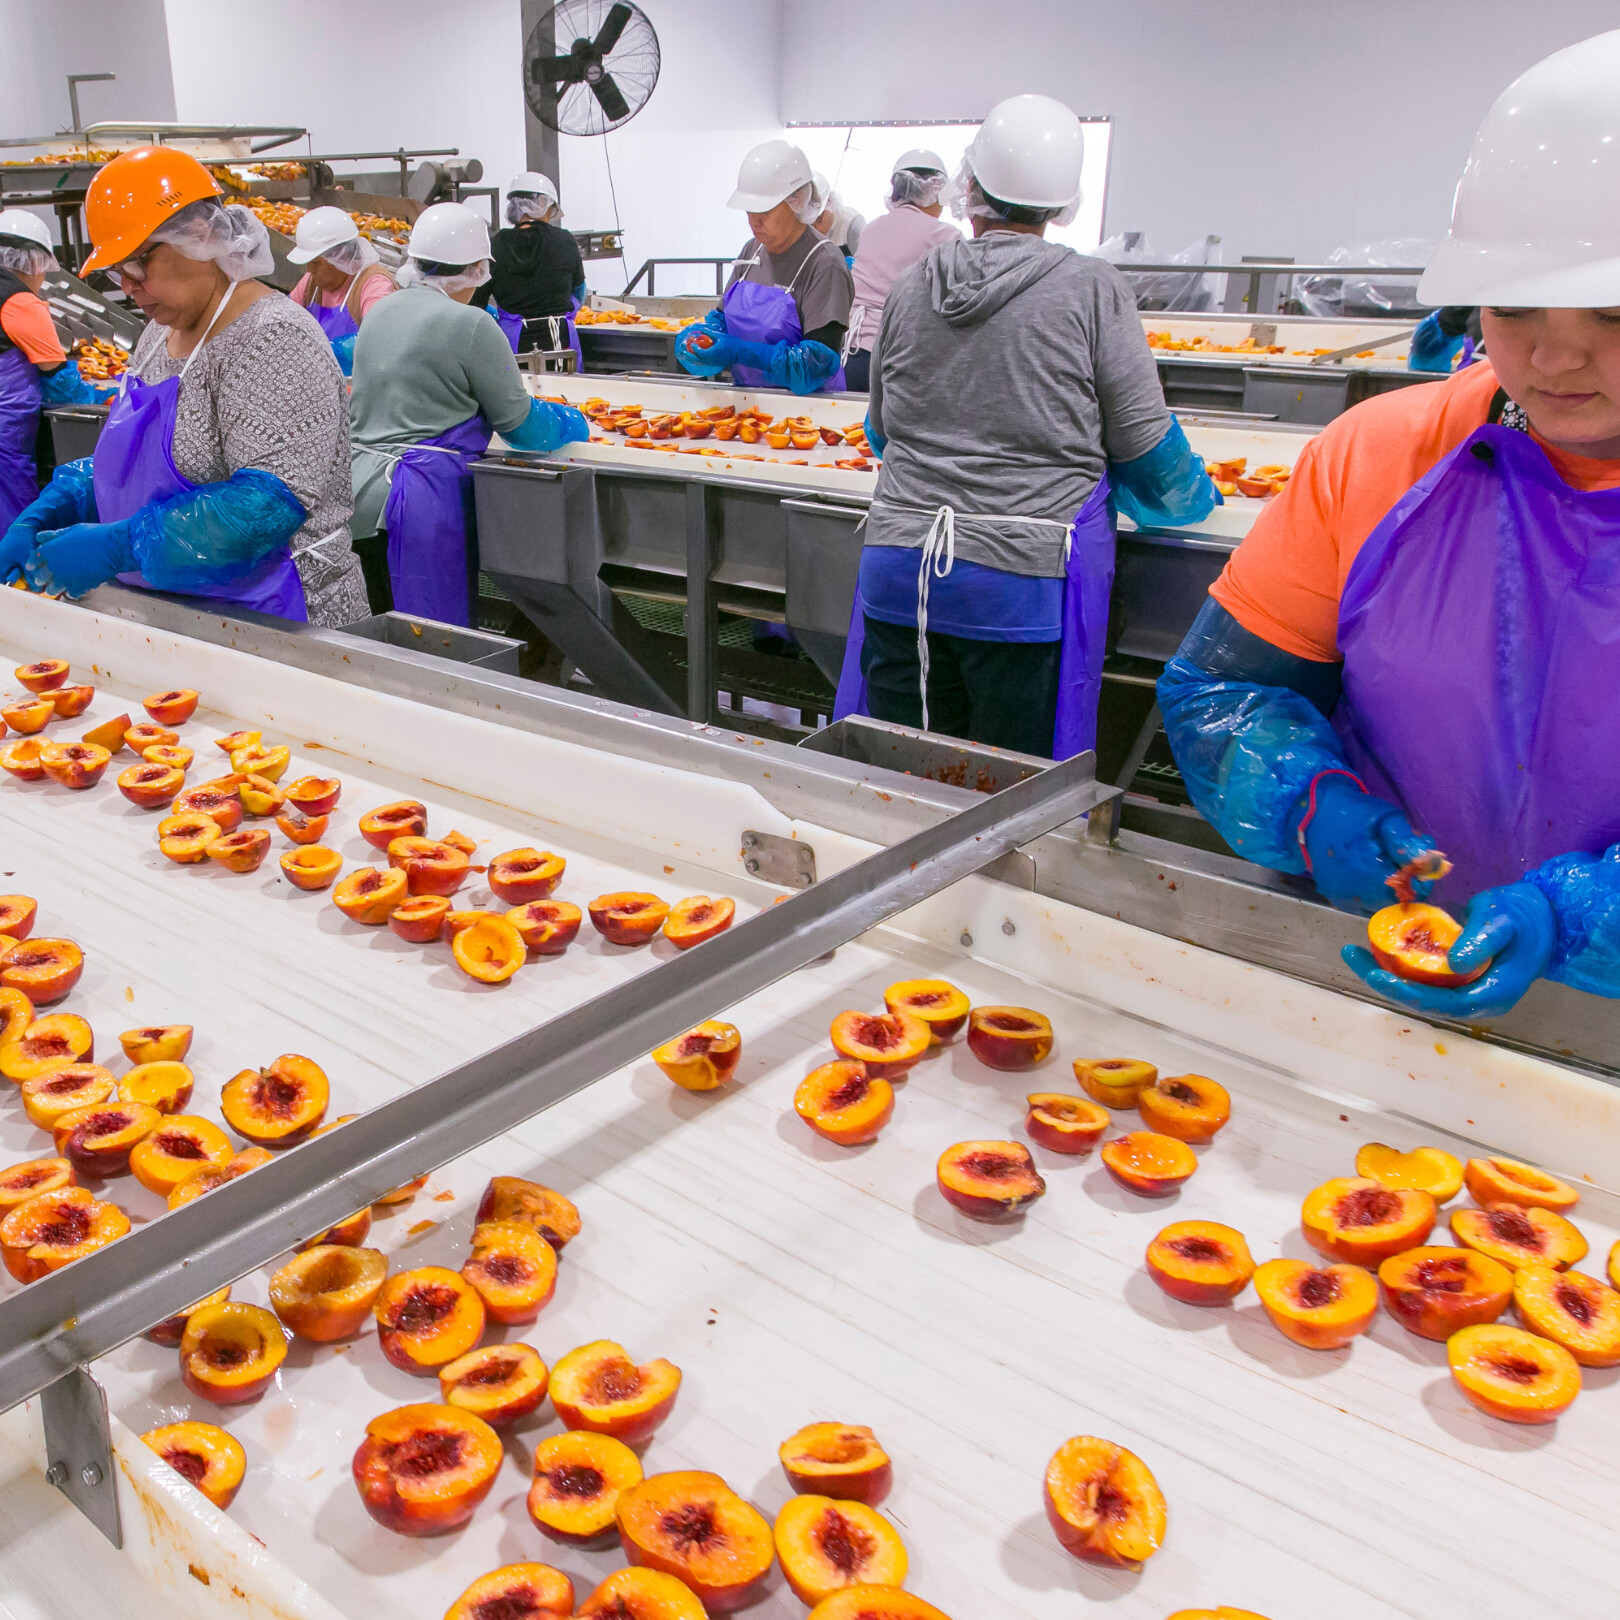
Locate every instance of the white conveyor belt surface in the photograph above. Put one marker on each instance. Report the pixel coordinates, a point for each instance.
(792, 1280)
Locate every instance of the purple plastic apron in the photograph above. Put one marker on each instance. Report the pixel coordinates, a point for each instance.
(1480, 628)
(510, 324)
(334, 319)
(1088, 582)
(134, 466)
(19, 426)
(760, 314)
(561, 334)
(429, 519)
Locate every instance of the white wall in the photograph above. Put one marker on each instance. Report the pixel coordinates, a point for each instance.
(1284, 126)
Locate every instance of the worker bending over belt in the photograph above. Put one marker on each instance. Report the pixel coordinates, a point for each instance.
(34, 370)
(536, 276)
(786, 308)
(344, 279)
(1418, 645)
(891, 244)
(223, 470)
(432, 379)
(1013, 394)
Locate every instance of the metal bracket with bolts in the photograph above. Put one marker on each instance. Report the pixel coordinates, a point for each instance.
(789, 862)
(78, 1450)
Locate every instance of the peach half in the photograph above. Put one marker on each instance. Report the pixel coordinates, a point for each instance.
(500, 1382)
(64, 1089)
(31, 1178)
(599, 1388)
(419, 919)
(1064, 1124)
(1103, 1503)
(17, 914)
(1200, 1262)
(839, 1460)
(98, 1140)
(109, 734)
(1009, 1038)
(170, 754)
(405, 818)
(261, 797)
(179, 1146)
(1506, 1181)
(1411, 942)
(511, 1198)
(578, 1480)
(991, 1181)
(427, 1317)
(1511, 1374)
(45, 970)
(1434, 1291)
(257, 760)
(1572, 1309)
(1189, 1107)
(222, 806)
(522, 875)
(702, 1058)
(513, 1269)
(371, 895)
(71, 701)
(184, 838)
(207, 1179)
(157, 1043)
(887, 1043)
(825, 1545)
(874, 1603)
(697, 918)
(547, 927)
(941, 1006)
(74, 765)
(21, 759)
(430, 865)
(1148, 1164)
(44, 676)
(52, 1229)
(327, 1292)
(234, 740)
(311, 867)
(16, 1014)
(137, 739)
(1362, 1223)
(1319, 1307)
(423, 1469)
(692, 1525)
(1428, 1169)
(276, 1106)
(150, 786)
(28, 715)
(844, 1103)
(45, 1043)
(313, 795)
(241, 851)
(301, 829)
(164, 1086)
(204, 1455)
(627, 917)
(516, 1592)
(642, 1594)
(172, 1329)
(230, 1352)
(1114, 1082)
(171, 708)
(489, 950)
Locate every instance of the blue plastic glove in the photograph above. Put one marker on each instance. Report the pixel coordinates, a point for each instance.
(1514, 928)
(343, 349)
(73, 561)
(69, 498)
(1355, 842)
(1432, 349)
(877, 441)
(215, 533)
(701, 360)
(1166, 488)
(66, 386)
(547, 426)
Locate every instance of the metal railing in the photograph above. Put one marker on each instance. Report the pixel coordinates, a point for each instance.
(1258, 288)
(649, 269)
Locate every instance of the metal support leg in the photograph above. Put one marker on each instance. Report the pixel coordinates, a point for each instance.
(1139, 748)
(702, 615)
(78, 1449)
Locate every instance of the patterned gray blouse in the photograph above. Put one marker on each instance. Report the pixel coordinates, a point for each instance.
(266, 392)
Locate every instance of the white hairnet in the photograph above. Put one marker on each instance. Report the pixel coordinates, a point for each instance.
(920, 187)
(234, 237)
(967, 199)
(425, 273)
(522, 206)
(25, 258)
(351, 257)
(806, 203)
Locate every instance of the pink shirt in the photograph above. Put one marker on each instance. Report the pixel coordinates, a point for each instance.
(890, 245)
(373, 288)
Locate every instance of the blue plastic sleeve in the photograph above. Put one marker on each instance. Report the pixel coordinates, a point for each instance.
(1585, 894)
(67, 386)
(581, 293)
(343, 350)
(215, 533)
(877, 441)
(1248, 754)
(547, 426)
(1167, 487)
(69, 498)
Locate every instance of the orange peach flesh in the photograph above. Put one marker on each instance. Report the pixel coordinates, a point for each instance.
(1009, 1038)
(501, 1383)
(427, 1317)
(1511, 1374)
(939, 1004)
(423, 1469)
(1434, 1291)
(578, 1479)
(1363, 1223)
(702, 1058)
(825, 1546)
(1411, 941)
(1319, 1307)
(840, 1460)
(1200, 1262)
(516, 1592)
(203, 1454)
(887, 1043)
(597, 1387)
(1189, 1107)
(690, 1524)
(1064, 1124)
(990, 1181)
(1103, 1503)
(844, 1103)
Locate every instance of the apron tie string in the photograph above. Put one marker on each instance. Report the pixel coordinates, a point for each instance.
(938, 559)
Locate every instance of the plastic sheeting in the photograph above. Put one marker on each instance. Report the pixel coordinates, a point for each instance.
(1166, 289)
(1368, 294)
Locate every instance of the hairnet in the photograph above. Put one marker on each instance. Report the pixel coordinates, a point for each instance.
(921, 187)
(233, 236)
(351, 257)
(445, 278)
(522, 206)
(806, 203)
(969, 200)
(25, 258)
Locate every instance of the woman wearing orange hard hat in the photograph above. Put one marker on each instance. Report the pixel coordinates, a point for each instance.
(223, 470)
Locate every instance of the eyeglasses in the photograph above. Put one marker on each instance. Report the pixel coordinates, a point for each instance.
(134, 269)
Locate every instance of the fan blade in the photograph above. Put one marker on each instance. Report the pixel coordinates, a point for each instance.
(611, 98)
(557, 70)
(613, 25)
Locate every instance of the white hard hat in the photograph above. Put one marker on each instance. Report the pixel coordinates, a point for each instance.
(919, 157)
(321, 230)
(1535, 222)
(1028, 152)
(30, 227)
(770, 174)
(449, 233)
(530, 184)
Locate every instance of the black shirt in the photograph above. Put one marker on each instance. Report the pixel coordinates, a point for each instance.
(534, 270)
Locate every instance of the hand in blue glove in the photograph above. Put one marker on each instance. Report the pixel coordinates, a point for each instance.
(1432, 349)
(72, 562)
(703, 351)
(16, 547)
(1513, 928)
(1354, 843)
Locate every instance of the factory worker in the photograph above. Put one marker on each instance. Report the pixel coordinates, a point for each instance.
(223, 470)
(1418, 645)
(344, 279)
(432, 379)
(837, 221)
(1013, 394)
(892, 243)
(34, 370)
(536, 276)
(786, 308)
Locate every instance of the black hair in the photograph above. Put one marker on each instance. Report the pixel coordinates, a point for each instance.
(1015, 213)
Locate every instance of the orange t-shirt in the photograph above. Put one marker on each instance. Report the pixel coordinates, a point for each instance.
(1284, 582)
(26, 320)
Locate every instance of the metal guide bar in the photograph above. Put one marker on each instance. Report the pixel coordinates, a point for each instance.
(86, 1309)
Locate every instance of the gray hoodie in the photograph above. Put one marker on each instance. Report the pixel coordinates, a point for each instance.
(1007, 372)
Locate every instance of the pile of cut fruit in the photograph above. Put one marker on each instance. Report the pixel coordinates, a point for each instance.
(100, 359)
(1233, 478)
(279, 216)
(628, 317)
(725, 423)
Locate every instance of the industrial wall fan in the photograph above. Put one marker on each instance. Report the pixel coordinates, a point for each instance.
(589, 66)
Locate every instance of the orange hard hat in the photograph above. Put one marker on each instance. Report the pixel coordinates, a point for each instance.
(134, 194)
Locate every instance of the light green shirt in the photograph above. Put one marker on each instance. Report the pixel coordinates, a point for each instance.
(422, 364)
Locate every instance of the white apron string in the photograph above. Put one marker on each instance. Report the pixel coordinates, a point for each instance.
(218, 310)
